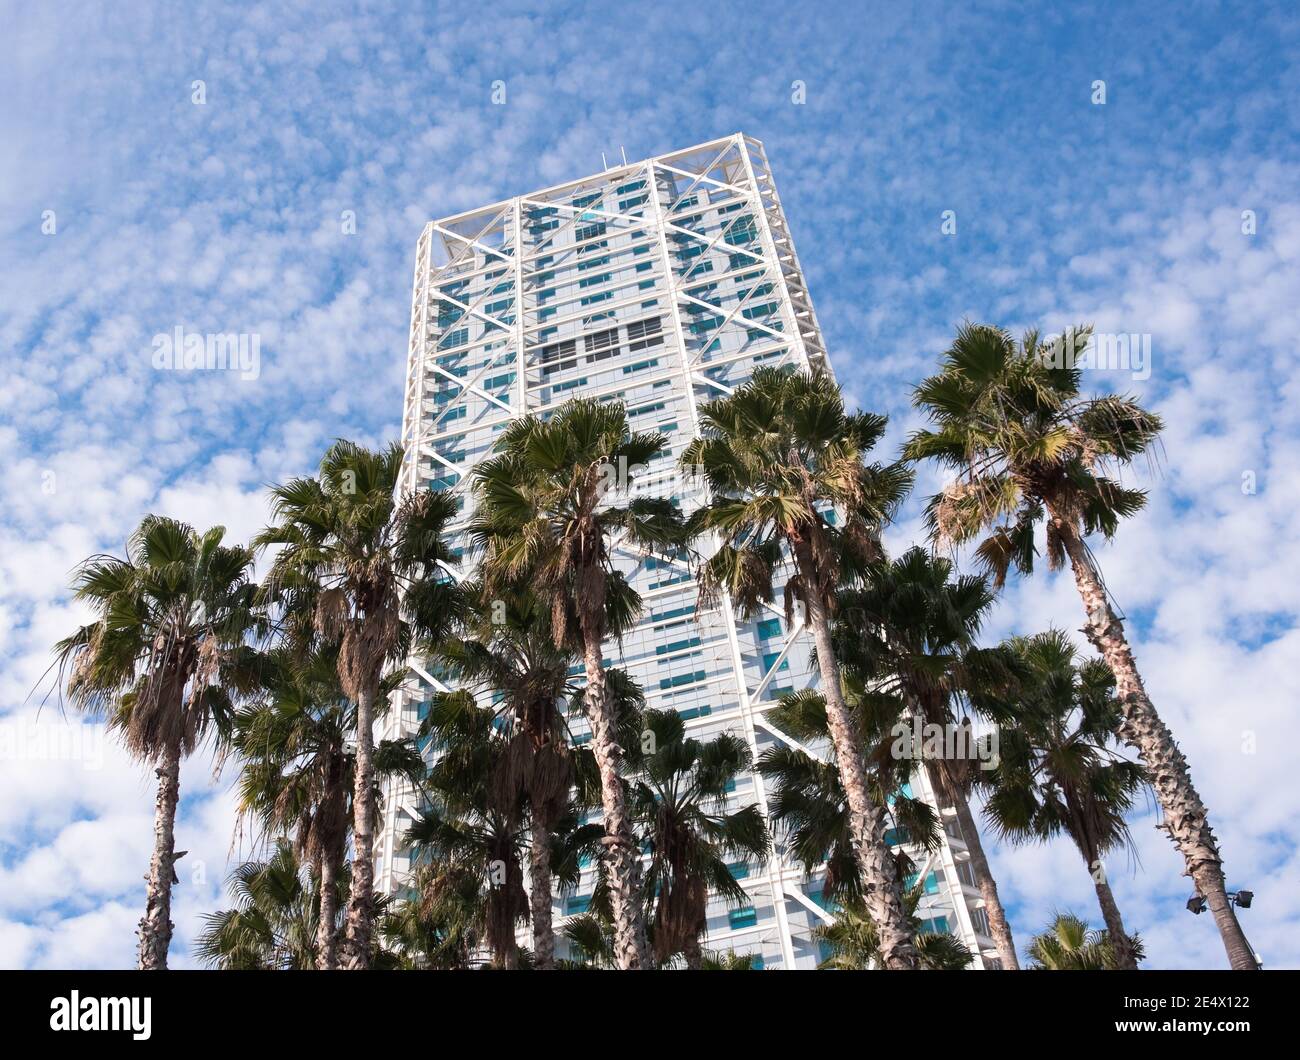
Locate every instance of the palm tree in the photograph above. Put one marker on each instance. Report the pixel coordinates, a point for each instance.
(911, 629)
(439, 924)
(1069, 945)
(778, 454)
(591, 940)
(854, 943)
(367, 566)
(163, 661)
(808, 798)
(464, 827)
(1027, 449)
(730, 961)
(298, 765)
(511, 651)
(273, 925)
(1056, 770)
(547, 518)
(679, 798)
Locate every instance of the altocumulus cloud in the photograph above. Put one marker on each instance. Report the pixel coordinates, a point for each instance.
(128, 210)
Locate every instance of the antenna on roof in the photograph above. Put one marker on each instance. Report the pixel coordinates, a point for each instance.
(603, 164)
(623, 153)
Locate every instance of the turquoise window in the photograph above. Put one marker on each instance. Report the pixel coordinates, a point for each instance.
(747, 916)
(771, 657)
(769, 628)
(931, 883)
(665, 649)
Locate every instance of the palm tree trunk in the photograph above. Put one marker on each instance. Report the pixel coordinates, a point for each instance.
(1119, 939)
(693, 952)
(539, 895)
(622, 859)
(356, 945)
(156, 924)
(507, 952)
(326, 955)
(880, 884)
(988, 886)
(1186, 818)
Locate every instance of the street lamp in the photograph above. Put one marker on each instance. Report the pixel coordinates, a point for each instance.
(1242, 899)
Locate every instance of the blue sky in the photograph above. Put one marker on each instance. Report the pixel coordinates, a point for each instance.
(225, 217)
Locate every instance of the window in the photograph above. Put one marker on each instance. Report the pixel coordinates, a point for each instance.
(694, 712)
(666, 649)
(741, 232)
(931, 883)
(769, 627)
(552, 354)
(601, 344)
(577, 903)
(459, 337)
(682, 679)
(771, 657)
(642, 334)
(589, 232)
(746, 916)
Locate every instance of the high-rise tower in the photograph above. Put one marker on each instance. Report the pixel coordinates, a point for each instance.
(661, 284)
